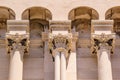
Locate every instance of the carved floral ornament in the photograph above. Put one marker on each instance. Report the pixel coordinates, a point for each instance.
(17, 42)
(60, 42)
(102, 41)
(60, 50)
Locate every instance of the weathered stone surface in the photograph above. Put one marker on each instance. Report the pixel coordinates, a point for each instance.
(53, 15)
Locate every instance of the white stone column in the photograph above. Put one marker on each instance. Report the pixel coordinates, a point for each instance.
(16, 65)
(72, 64)
(63, 66)
(104, 64)
(57, 66)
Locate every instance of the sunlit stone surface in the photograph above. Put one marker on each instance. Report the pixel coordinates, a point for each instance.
(59, 40)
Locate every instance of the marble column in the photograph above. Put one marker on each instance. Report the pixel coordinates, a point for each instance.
(16, 65)
(57, 66)
(104, 63)
(63, 66)
(72, 64)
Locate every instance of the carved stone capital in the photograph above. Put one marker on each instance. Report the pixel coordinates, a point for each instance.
(60, 50)
(17, 42)
(102, 41)
(60, 41)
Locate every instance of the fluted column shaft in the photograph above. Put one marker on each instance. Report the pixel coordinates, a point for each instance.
(104, 64)
(16, 65)
(63, 66)
(57, 66)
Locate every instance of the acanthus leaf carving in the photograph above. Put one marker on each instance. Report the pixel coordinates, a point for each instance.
(60, 41)
(102, 41)
(17, 42)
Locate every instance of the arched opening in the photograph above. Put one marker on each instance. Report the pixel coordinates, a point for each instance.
(39, 20)
(5, 14)
(114, 14)
(81, 20)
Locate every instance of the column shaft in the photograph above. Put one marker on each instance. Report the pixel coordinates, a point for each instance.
(16, 66)
(63, 66)
(57, 66)
(104, 65)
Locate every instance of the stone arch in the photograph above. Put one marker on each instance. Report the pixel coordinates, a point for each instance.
(81, 20)
(39, 19)
(83, 12)
(5, 14)
(114, 14)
